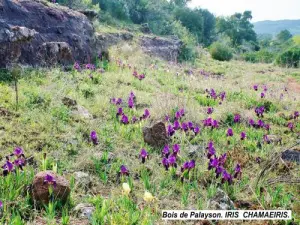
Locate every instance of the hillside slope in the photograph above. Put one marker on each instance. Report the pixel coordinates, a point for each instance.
(274, 27)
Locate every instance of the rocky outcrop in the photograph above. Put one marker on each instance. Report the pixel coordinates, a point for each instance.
(106, 40)
(156, 135)
(167, 49)
(34, 32)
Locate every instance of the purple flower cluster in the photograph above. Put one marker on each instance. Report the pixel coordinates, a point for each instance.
(94, 138)
(213, 94)
(139, 76)
(260, 111)
(237, 118)
(209, 122)
(131, 99)
(259, 124)
(19, 161)
(263, 93)
(217, 163)
(116, 101)
(169, 160)
(77, 66)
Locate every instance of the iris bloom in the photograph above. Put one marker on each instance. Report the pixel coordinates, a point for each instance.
(219, 171)
(18, 151)
(182, 113)
(167, 118)
(126, 188)
(184, 127)
(177, 115)
(229, 132)
(215, 124)
(176, 125)
(260, 123)
(210, 110)
(166, 151)
(185, 166)
(120, 111)
(290, 126)
(1, 204)
(260, 111)
(170, 130)
(226, 177)
(124, 170)
(267, 127)
(222, 95)
(243, 135)
(130, 103)
(255, 87)
(77, 66)
(211, 152)
(222, 159)
(49, 179)
(148, 197)
(172, 161)
(176, 149)
(213, 163)
(8, 167)
(190, 125)
(251, 122)
(237, 118)
(262, 95)
(237, 171)
(124, 119)
(165, 163)
(143, 155)
(266, 139)
(146, 114)
(265, 88)
(134, 119)
(197, 130)
(94, 137)
(296, 114)
(192, 164)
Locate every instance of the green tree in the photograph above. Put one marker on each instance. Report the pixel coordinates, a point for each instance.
(283, 36)
(237, 27)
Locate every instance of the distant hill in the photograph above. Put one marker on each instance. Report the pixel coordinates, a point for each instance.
(274, 27)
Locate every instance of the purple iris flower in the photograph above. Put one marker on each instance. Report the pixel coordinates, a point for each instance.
(90, 66)
(141, 76)
(255, 87)
(182, 113)
(124, 170)
(243, 135)
(19, 163)
(177, 115)
(251, 122)
(262, 95)
(229, 132)
(143, 155)
(1, 204)
(77, 66)
(190, 125)
(211, 151)
(219, 171)
(124, 119)
(18, 151)
(185, 166)
(120, 111)
(210, 110)
(172, 161)
(8, 167)
(237, 171)
(260, 111)
(260, 123)
(50, 180)
(213, 163)
(237, 118)
(166, 151)
(266, 139)
(197, 130)
(192, 164)
(170, 130)
(176, 125)
(222, 95)
(290, 126)
(258, 160)
(296, 114)
(267, 127)
(265, 88)
(222, 159)
(146, 114)
(176, 149)
(184, 127)
(226, 177)
(213, 94)
(207, 122)
(130, 103)
(215, 124)
(165, 163)
(135, 74)
(134, 119)
(94, 137)
(167, 118)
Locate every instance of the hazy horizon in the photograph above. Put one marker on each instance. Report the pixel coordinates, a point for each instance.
(261, 9)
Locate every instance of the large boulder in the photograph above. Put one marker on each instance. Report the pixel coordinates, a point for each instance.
(41, 189)
(36, 32)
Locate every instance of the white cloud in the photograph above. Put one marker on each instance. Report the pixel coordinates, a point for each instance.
(261, 9)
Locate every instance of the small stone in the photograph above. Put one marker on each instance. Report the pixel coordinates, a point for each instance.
(69, 102)
(40, 190)
(84, 210)
(82, 112)
(291, 156)
(220, 201)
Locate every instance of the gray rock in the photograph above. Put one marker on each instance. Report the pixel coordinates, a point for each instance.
(82, 112)
(220, 201)
(291, 156)
(82, 179)
(84, 210)
(69, 102)
(164, 48)
(156, 135)
(196, 151)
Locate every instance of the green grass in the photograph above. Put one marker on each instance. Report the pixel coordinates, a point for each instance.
(43, 124)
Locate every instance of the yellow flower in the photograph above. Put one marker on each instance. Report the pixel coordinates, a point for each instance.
(126, 188)
(148, 197)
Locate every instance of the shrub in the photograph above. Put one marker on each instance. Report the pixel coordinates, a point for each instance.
(220, 52)
(289, 58)
(262, 56)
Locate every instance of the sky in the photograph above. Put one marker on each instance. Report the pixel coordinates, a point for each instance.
(261, 9)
